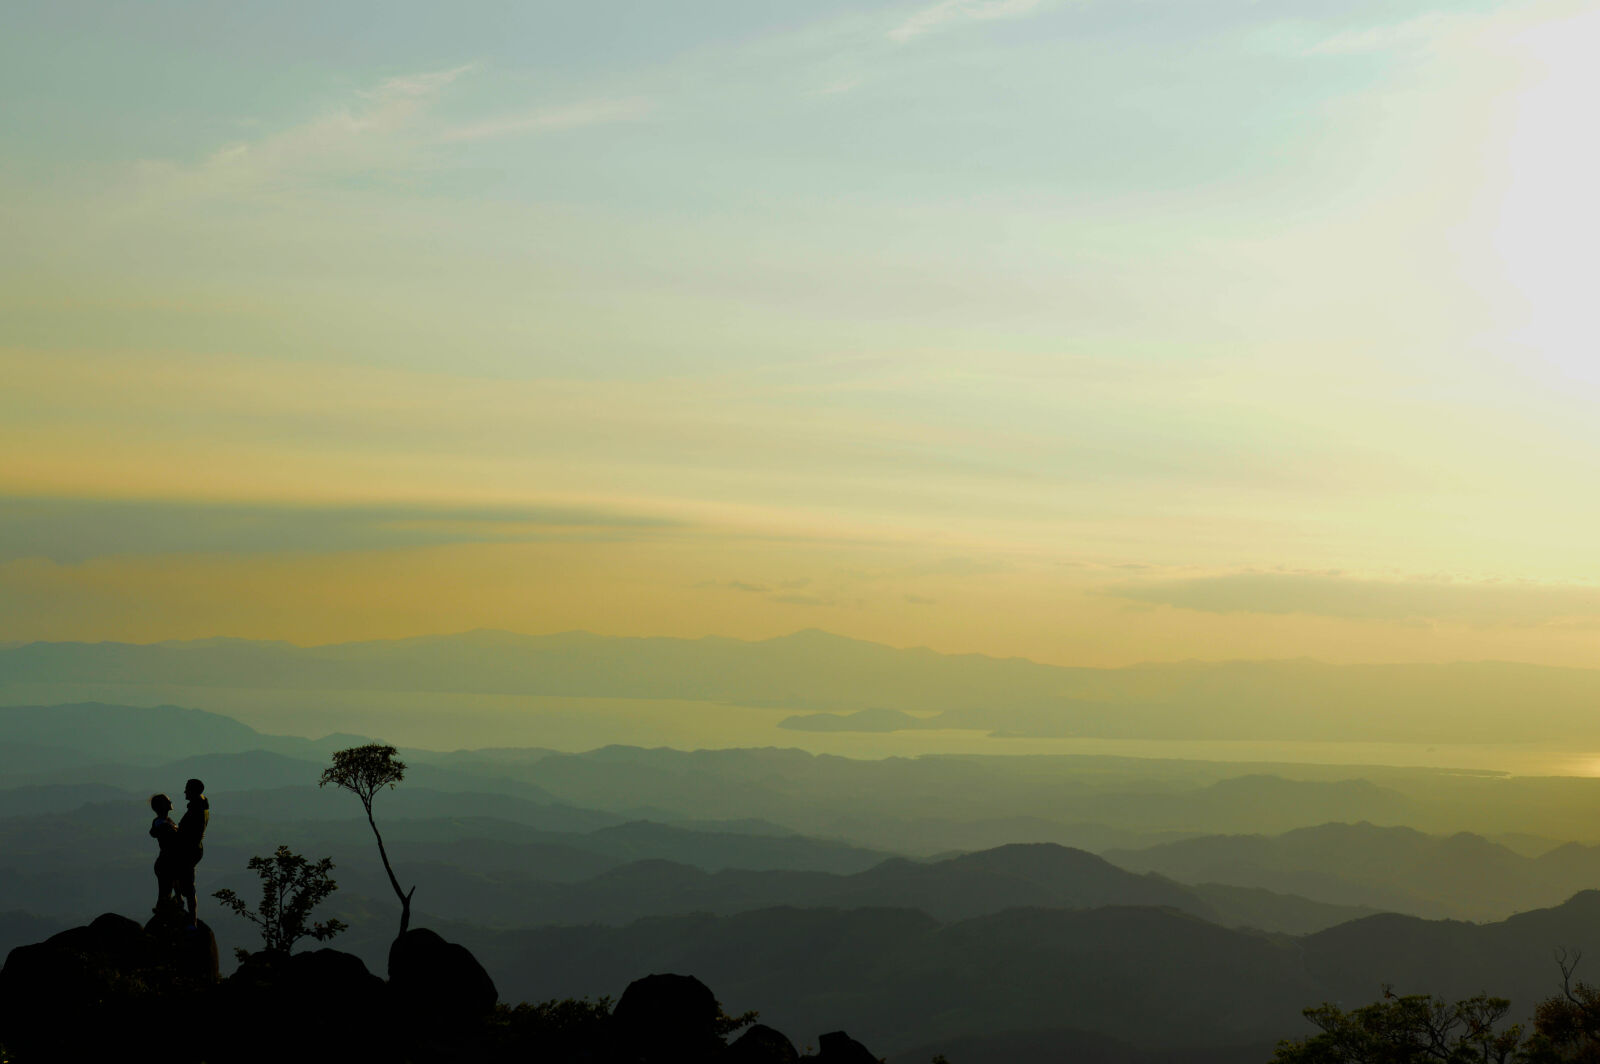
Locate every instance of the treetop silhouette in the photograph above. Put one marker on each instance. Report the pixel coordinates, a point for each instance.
(364, 771)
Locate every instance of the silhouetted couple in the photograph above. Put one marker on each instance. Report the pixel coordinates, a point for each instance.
(182, 845)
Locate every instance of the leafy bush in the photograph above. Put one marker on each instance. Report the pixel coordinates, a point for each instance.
(291, 887)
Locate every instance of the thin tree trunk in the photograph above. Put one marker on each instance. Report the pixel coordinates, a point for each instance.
(405, 897)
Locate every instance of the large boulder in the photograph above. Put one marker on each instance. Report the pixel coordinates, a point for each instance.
(762, 1045)
(83, 993)
(438, 983)
(328, 998)
(115, 938)
(836, 1047)
(317, 975)
(328, 974)
(668, 1018)
(191, 951)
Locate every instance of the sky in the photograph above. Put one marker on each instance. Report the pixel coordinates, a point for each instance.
(1088, 331)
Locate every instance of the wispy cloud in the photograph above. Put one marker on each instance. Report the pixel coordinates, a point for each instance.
(554, 119)
(735, 585)
(377, 130)
(839, 86)
(804, 600)
(951, 13)
(1478, 603)
(414, 86)
(1443, 30)
(346, 131)
(70, 531)
(787, 592)
(1407, 33)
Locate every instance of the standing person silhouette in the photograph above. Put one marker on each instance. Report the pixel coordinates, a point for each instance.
(170, 857)
(191, 842)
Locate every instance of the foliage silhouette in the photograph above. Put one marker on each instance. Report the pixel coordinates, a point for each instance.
(1421, 1029)
(726, 1024)
(291, 887)
(1568, 1025)
(555, 1015)
(364, 771)
(560, 1029)
(1409, 1029)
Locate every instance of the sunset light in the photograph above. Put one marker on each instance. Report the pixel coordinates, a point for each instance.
(800, 531)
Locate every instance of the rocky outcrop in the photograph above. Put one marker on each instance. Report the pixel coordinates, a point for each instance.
(438, 982)
(836, 1047)
(87, 991)
(115, 990)
(328, 999)
(667, 1018)
(762, 1045)
(192, 952)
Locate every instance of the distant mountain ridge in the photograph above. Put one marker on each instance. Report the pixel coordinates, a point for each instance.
(1005, 940)
(1038, 875)
(815, 671)
(147, 735)
(922, 805)
(800, 813)
(1462, 876)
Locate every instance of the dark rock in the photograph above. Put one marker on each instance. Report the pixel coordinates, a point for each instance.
(259, 987)
(836, 1047)
(263, 969)
(317, 975)
(192, 952)
(668, 1018)
(116, 938)
(332, 1001)
(438, 983)
(325, 974)
(347, 999)
(762, 1045)
(77, 994)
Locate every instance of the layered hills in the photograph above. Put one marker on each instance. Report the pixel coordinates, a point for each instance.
(1463, 875)
(929, 905)
(1148, 976)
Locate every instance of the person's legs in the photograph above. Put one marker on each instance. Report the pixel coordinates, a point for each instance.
(167, 873)
(185, 885)
(191, 895)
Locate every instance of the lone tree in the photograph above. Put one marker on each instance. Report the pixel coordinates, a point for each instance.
(364, 771)
(291, 887)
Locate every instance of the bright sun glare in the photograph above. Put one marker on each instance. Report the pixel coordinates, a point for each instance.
(1549, 225)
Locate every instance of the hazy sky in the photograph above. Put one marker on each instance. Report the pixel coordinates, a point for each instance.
(1092, 331)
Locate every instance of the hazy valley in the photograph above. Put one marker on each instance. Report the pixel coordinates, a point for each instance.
(922, 902)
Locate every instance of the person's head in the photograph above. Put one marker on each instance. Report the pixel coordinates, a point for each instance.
(194, 789)
(160, 804)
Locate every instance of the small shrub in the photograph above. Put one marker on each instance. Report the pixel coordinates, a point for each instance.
(291, 887)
